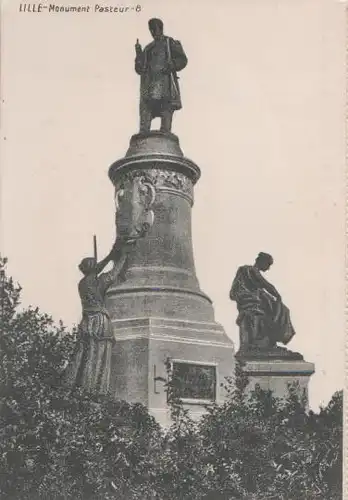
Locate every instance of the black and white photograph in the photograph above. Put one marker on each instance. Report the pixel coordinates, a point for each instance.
(172, 259)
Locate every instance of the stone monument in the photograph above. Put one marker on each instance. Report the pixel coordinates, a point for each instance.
(158, 312)
(264, 320)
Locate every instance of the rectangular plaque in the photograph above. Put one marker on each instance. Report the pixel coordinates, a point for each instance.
(194, 381)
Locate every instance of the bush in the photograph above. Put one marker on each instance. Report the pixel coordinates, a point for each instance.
(56, 443)
(59, 444)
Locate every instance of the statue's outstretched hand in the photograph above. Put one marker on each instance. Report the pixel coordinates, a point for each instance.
(272, 294)
(121, 248)
(138, 48)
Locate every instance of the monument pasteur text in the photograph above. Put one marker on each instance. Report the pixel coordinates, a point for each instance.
(149, 312)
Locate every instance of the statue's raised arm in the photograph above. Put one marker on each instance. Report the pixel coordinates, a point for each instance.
(119, 254)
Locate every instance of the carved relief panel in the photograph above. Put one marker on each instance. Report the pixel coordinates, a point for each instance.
(134, 198)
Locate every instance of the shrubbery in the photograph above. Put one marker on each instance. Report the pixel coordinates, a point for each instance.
(57, 444)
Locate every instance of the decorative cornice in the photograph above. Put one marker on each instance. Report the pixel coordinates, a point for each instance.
(161, 161)
(162, 180)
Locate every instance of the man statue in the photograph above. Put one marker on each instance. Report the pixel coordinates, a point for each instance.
(157, 66)
(90, 364)
(263, 319)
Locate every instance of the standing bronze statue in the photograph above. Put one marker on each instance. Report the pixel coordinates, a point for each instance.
(157, 66)
(263, 319)
(91, 361)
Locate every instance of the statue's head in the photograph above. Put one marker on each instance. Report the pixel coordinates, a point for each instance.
(264, 261)
(87, 265)
(156, 27)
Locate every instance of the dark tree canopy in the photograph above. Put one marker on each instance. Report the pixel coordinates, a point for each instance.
(61, 445)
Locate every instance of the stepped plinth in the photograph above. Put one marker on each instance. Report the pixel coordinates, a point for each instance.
(159, 313)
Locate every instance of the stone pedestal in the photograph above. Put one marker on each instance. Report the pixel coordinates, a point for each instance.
(277, 374)
(159, 313)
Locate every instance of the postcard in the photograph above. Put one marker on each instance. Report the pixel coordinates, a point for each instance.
(173, 191)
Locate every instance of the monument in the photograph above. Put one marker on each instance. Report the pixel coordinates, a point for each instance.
(147, 320)
(158, 312)
(264, 320)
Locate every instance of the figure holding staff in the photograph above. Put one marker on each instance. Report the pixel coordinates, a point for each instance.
(90, 364)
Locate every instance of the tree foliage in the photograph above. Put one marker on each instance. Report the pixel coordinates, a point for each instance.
(58, 444)
(55, 443)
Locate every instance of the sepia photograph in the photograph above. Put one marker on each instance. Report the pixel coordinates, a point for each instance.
(172, 258)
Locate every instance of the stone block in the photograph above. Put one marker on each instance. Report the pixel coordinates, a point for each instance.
(277, 374)
(143, 348)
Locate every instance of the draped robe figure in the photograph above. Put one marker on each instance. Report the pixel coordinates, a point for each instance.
(157, 66)
(91, 361)
(263, 319)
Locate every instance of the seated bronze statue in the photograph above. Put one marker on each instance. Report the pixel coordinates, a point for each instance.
(263, 319)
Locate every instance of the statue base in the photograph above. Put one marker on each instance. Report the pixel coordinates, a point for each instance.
(275, 352)
(277, 374)
(159, 313)
(148, 351)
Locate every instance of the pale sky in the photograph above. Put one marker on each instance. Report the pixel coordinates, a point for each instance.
(263, 117)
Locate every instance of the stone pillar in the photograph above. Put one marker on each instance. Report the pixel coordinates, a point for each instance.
(159, 313)
(276, 374)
